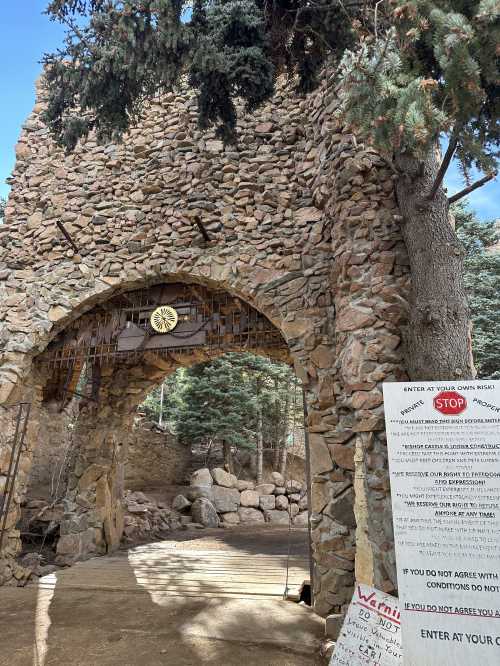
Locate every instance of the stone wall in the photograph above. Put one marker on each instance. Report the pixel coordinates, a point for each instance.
(304, 228)
(216, 498)
(154, 459)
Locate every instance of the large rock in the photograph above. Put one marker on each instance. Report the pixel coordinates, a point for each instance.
(281, 503)
(203, 512)
(248, 515)
(195, 492)
(280, 490)
(250, 498)
(293, 486)
(301, 519)
(180, 503)
(278, 479)
(226, 499)
(265, 488)
(267, 502)
(230, 519)
(201, 477)
(277, 517)
(223, 478)
(244, 485)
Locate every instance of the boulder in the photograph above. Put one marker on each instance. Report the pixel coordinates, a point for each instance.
(293, 486)
(204, 513)
(139, 497)
(303, 503)
(281, 503)
(201, 477)
(244, 485)
(293, 509)
(265, 489)
(195, 492)
(267, 502)
(231, 518)
(226, 499)
(223, 478)
(301, 519)
(249, 498)
(278, 479)
(248, 515)
(180, 503)
(277, 517)
(294, 497)
(280, 490)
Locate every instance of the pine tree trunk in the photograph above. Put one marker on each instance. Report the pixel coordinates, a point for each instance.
(228, 457)
(283, 459)
(438, 336)
(276, 454)
(260, 447)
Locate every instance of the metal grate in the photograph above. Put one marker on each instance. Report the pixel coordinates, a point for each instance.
(120, 329)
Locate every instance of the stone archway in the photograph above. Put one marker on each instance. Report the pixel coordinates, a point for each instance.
(302, 225)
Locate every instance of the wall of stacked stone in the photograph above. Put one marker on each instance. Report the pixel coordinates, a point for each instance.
(304, 227)
(154, 459)
(216, 498)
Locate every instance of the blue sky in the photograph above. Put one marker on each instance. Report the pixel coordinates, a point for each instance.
(25, 34)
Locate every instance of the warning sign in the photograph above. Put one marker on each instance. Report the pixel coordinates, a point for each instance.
(444, 461)
(371, 633)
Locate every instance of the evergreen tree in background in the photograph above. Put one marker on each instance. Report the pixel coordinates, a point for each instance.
(167, 413)
(482, 279)
(409, 71)
(235, 401)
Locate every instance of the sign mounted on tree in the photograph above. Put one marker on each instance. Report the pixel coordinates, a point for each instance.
(444, 461)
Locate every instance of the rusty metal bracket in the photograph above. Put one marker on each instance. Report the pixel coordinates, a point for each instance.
(66, 235)
(22, 419)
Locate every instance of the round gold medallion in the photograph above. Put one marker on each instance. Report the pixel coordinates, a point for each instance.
(164, 319)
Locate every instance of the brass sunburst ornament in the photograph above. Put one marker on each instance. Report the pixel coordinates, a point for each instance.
(164, 319)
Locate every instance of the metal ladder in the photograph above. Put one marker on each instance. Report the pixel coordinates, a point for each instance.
(22, 419)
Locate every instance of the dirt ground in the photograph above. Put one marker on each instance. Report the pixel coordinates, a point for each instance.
(134, 623)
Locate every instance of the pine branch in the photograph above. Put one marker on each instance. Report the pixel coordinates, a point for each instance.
(479, 183)
(452, 146)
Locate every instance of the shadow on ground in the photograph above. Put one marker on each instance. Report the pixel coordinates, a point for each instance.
(114, 611)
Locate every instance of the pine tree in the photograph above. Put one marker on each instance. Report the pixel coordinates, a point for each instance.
(409, 73)
(237, 400)
(482, 280)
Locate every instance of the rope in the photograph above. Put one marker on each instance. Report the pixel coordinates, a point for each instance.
(285, 476)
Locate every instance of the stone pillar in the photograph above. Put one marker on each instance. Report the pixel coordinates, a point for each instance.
(93, 521)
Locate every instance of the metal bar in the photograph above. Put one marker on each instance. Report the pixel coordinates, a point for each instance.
(309, 493)
(66, 235)
(19, 445)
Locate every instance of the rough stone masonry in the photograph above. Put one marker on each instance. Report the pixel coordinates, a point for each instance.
(304, 227)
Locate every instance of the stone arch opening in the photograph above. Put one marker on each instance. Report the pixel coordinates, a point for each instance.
(119, 373)
(303, 227)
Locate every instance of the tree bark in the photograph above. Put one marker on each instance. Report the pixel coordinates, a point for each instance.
(228, 456)
(283, 459)
(438, 334)
(260, 448)
(276, 455)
